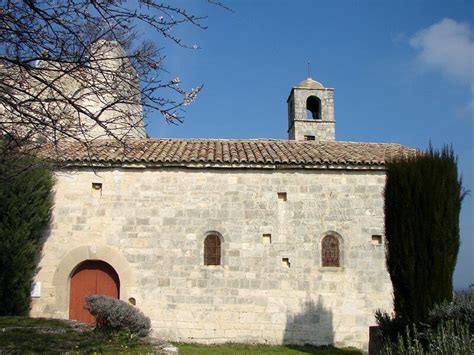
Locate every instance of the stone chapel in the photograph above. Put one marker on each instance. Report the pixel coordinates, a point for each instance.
(223, 240)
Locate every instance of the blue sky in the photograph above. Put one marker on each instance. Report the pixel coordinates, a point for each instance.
(402, 72)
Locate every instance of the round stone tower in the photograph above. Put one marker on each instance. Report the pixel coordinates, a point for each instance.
(114, 93)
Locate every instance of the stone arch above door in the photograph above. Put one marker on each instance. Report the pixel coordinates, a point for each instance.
(72, 259)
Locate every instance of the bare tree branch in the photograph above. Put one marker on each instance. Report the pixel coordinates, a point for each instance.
(78, 70)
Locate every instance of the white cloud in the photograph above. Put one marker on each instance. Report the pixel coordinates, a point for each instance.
(448, 47)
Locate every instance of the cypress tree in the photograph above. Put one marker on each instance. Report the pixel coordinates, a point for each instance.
(25, 203)
(423, 196)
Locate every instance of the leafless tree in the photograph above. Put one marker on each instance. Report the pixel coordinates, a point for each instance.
(77, 70)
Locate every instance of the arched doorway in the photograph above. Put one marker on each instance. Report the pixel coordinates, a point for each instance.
(91, 277)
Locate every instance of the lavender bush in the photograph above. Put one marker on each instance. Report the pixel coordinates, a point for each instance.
(114, 314)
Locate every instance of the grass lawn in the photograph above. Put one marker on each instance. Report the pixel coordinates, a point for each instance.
(231, 349)
(20, 335)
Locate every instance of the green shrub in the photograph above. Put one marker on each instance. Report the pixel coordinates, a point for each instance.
(450, 337)
(111, 313)
(461, 309)
(25, 203)
(448, 330)
(390, 327)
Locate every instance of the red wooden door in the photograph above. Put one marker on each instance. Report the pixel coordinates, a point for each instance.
(92, 277)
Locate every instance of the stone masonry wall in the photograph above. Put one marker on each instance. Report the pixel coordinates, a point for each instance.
(150, 226)
(321, 130)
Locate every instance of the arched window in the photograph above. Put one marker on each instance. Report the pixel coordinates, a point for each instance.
(330, 253)
(313, 105)
(212, 250)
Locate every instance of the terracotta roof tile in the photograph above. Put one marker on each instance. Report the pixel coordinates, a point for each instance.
(236, 152)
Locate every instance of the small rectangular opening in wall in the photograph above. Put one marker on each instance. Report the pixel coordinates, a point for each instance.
(376, 239)
(267, 239)
(309, 138)
(285, 262)
(97, 188)
(282, 196)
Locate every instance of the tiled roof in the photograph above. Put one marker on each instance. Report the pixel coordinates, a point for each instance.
(219, 152)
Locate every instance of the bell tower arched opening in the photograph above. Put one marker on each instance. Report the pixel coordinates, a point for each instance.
(313, 108)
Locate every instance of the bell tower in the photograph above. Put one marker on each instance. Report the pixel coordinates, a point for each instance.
(311, 112)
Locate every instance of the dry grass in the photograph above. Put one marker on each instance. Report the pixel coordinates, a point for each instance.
(20, 335)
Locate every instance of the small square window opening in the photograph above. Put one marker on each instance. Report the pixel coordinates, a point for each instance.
(97, 188)
(376, 240)
(282, 196)
(267, 239)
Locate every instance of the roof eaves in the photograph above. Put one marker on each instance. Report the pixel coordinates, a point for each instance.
(206, 165)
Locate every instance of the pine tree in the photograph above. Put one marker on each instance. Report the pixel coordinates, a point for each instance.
(423, 196)
(25, 203)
